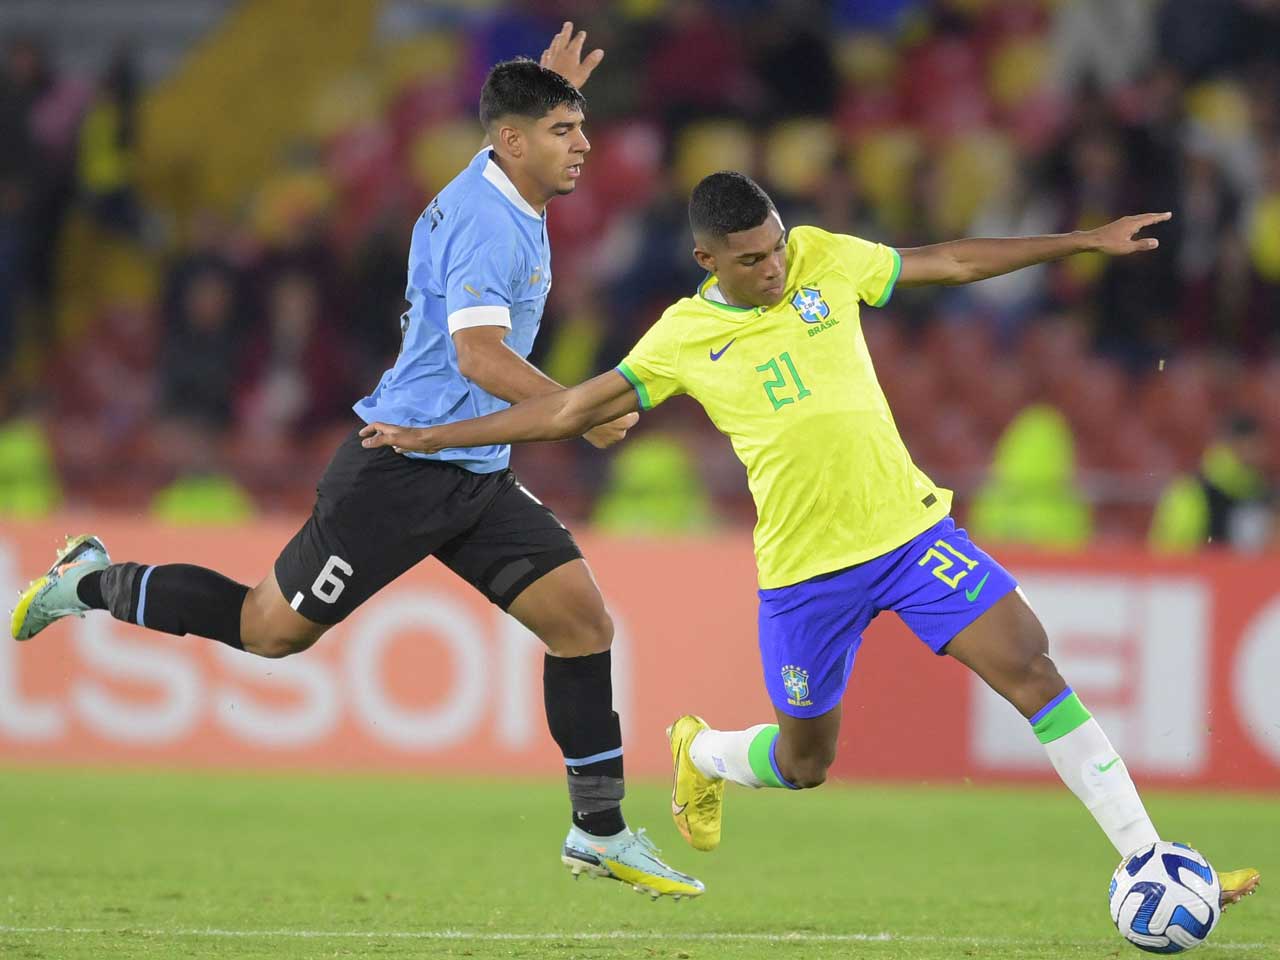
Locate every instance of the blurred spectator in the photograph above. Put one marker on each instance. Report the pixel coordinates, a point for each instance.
(653, 489)
(296, 378)
(1207, 221)
(202, 350)
(1032, 497)
(29, 486)
(696, 64)
(1228, 502)
(203, 499)
(378, 285)
(1200, 37)
(107, 381)
(792, 59)
(1019, 209)
(1100, 41)
(35, 114)
(107, 160)
(11, 249)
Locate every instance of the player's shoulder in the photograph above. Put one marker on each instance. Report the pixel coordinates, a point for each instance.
(806, 238)
(471, 215)
(813, 248)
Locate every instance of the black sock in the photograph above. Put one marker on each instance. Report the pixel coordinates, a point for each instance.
(578, 695)
(89, 589)
(175, 598)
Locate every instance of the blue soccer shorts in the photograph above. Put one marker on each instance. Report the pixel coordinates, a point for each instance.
(938, 583)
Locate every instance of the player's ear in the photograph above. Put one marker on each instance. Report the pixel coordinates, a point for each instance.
(705, 260)
(511, 138)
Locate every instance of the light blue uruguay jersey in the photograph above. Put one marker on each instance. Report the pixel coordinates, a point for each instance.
(479, 257)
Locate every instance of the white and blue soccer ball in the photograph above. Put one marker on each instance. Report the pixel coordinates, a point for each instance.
(1164, 898)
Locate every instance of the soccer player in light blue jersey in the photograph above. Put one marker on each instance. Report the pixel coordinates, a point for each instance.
(479, 275)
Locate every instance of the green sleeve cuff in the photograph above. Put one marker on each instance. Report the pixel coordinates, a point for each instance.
(893, 279)
(637, 383)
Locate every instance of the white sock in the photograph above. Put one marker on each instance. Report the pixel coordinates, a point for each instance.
(1091, 768)
(725, 754)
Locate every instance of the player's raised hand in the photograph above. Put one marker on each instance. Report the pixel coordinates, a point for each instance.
(398, 439)
(607, 434)
(564, 55)
(1118, 237)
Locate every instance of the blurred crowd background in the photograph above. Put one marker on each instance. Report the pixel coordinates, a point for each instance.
(205, 210)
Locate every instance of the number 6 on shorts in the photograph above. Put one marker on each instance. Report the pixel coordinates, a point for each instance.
(327, 586)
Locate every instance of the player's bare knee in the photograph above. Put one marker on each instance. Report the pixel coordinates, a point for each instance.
(275, 646)
(586, 633)
(806, 766)
(261, 636)
(808, 772)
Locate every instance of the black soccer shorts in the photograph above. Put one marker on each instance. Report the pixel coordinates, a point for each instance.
(378, 513)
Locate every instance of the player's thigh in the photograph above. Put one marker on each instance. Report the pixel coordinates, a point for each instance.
(377, 514)
(1007, 647)
(809, 634)
(940, 583)
(524, 560)
(565, 610)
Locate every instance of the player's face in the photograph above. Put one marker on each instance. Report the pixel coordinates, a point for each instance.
(557, 148)
(751, 265)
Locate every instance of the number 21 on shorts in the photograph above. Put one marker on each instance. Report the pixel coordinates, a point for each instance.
(945, 563)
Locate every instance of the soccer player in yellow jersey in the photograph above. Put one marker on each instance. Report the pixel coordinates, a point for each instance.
(772, 348)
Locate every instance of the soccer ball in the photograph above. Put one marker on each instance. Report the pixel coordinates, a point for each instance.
(1164, 898)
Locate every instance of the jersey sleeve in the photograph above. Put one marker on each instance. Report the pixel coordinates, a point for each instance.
(652, 365)
(873, 267)
(477, 279)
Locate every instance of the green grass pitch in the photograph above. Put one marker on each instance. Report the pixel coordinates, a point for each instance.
(143, 864)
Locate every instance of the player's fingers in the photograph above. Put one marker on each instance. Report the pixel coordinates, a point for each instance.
(377, 435)
(1149, 244)
(592, 60)
(558, 41)
(575, 45)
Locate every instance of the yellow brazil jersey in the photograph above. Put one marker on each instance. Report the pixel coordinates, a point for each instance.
(793, 388)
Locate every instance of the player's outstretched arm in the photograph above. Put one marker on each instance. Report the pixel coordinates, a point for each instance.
(553, 416)
(964, 261)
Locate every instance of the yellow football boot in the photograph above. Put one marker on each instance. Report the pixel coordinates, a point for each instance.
(697, 801)
(1238, 884)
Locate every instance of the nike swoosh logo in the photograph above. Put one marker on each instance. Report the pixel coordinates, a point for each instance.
(1104, 767)
(972, 595)
(717, 354)
(678, 808)
(472, 290)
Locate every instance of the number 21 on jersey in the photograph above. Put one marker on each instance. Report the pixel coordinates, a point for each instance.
(778, 381)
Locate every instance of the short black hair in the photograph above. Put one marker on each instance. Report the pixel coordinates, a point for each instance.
(727, 202)
(523, 88)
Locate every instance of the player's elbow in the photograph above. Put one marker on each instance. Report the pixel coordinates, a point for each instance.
(472, 361)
